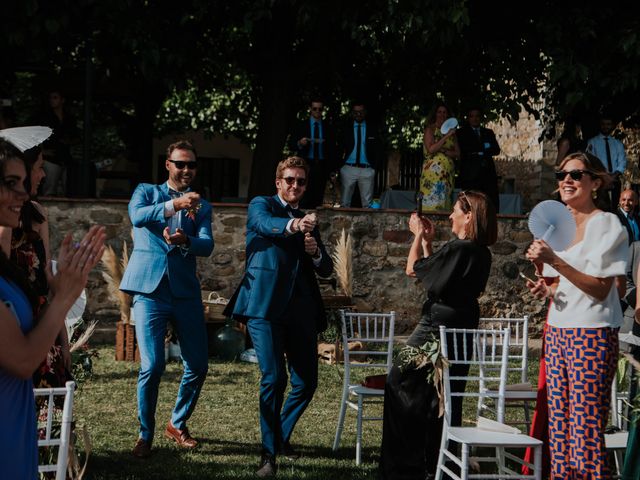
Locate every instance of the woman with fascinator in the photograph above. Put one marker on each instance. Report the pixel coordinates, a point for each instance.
(28, 247)
(26, 337)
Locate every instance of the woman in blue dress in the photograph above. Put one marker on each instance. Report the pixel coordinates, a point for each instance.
(24, 341)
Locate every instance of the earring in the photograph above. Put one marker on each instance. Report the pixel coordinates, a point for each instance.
(594, 194)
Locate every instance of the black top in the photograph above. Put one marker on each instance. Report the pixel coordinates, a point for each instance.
(454, 276)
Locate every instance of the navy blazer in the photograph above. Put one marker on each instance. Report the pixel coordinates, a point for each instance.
(477, 155)
(152, 256)
(274, 258)
(302, 129)
(371, 145)
(625, 223)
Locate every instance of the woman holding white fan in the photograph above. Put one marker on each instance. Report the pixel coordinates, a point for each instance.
(581, 341)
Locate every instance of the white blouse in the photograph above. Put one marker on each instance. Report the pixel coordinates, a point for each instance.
(602, 253)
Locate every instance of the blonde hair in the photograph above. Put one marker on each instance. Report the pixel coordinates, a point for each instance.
(292, 162)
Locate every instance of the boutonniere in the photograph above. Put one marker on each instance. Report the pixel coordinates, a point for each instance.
(193, 211)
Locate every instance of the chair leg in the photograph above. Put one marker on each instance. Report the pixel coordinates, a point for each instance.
(537, 462)
(501, 459)
(464, 457)
(343, 409)
(444, 444)
(359, 431)
(527, 416)
(617, 455)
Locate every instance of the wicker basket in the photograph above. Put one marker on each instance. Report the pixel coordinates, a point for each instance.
(214, 306)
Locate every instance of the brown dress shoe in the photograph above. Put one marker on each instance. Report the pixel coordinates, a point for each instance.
(142, 449)
(181, 437)
(267, 467)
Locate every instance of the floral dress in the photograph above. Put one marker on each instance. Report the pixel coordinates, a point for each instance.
(28, 252)
(438, 175)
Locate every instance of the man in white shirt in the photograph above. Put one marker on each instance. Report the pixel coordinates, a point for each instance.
(610, 151)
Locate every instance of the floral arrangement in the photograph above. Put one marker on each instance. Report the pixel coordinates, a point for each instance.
(426, 356)
(193, 211)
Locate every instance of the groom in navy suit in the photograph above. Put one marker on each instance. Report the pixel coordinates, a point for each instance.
(279, 299)
(171, 226)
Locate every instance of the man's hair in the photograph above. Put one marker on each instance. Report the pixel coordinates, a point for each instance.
(292, 162)
(316, 100)
(181, 145)
(475, 108)
(483, 227)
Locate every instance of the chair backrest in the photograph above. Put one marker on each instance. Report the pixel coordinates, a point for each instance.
(485, 352)
(518, 341)
(367, 339)
(55, 430)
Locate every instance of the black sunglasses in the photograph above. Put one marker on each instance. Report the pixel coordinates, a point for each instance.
(574, 174)
(317, 109)
(300, 181)
(181, 164)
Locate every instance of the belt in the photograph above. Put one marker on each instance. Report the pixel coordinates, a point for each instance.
(362, 165)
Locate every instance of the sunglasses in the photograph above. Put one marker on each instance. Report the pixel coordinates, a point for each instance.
(317, 109)
(300, 181)
(181, 164)
(574, 174)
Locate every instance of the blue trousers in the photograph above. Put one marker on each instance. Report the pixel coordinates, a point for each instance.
(152, 312)
(295, 335)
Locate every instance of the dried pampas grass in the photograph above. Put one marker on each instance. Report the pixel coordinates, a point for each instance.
(115, 268)
(342, 263)
(84, 338)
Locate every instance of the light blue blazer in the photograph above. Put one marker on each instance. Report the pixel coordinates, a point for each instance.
(152, 257)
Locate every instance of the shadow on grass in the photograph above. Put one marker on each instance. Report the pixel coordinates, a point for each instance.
(224, 460)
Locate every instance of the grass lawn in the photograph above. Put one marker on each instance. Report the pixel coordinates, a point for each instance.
(225, 421)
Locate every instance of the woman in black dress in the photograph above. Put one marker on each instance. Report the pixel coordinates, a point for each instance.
(454, 277)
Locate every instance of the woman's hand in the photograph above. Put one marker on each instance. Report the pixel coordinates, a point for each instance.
(539, 289)
(422, 227)
(539, 252)
(75, 261)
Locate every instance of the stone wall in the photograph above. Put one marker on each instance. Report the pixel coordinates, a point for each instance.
(381, 240)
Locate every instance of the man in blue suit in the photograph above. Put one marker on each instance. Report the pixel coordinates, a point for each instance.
(279, 299)
(171, 226)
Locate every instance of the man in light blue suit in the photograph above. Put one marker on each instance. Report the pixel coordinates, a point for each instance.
(171, 226)
(279, 299)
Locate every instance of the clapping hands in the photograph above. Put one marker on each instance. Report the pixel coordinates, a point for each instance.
(75, 261)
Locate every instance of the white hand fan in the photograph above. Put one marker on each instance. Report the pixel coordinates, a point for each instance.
(74, 315)
(449, 124)
(24, 138)
(552, 222)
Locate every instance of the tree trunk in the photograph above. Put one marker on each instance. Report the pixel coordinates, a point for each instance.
(147, 104)
(278, 95)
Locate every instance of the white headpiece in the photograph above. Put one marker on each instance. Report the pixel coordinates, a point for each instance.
(24, 138)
